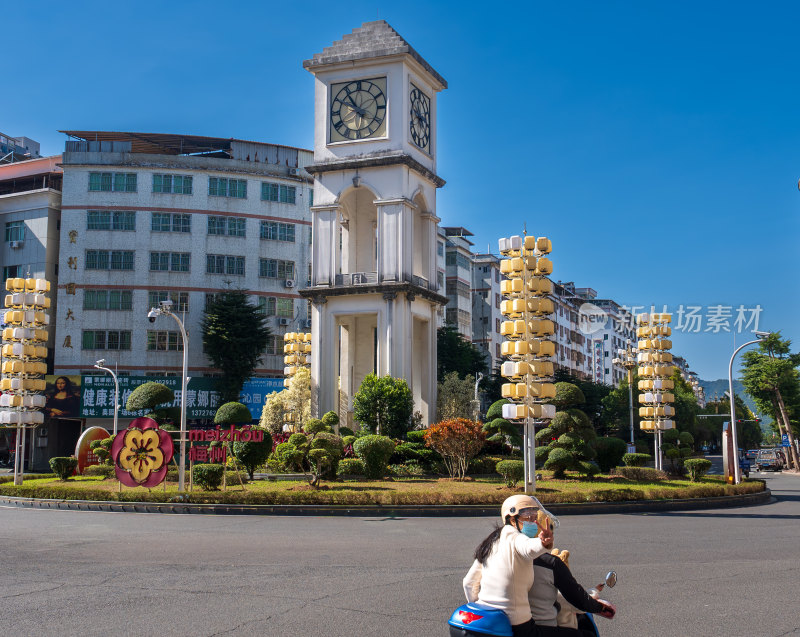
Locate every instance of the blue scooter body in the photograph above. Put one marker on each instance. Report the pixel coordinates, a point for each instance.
(479, 620)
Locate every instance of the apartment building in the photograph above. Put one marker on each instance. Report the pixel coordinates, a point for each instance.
(458, 278)
(486, 315)
(148, 217)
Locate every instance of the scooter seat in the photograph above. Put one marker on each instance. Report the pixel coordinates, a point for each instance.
(477, 620)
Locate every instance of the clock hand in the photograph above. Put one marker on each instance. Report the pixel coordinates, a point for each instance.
(357, 109)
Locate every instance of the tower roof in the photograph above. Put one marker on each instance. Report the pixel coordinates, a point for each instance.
(370, 40)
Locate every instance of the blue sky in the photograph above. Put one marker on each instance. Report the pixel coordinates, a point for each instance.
(656, 145)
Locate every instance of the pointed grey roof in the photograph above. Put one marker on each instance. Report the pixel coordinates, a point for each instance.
(370, 40)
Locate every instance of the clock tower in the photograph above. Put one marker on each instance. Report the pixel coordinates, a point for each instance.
(374, 289)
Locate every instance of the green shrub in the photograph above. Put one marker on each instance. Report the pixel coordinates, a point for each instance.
(331, 418)
(588, 468)
(375, 451)
(350, 467)
(405, 452)
(107, 471)
(208, 476)
(345, 431)
(511, 470)
(232, 413)
(409, 470)
(483, 465)
(417, 435)
(63, 467)
(252, 454)
(609, 452)
(641, 474)
(149, 395)
(697, 468)
(635, 459)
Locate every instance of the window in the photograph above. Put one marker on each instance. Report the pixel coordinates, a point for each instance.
(106, 339)
(164, 341)
(109, 259)
(180, 300)
(276, 269)
(497, 325)
(308, 280)
(210, 298)
(277, 231)
(12, 272)
(285, 308)
(170, 222)
(310, 197)
(267, 305)
(278, 192)
(118, 182)
(274, 345)
(224, 187)
(174, 184)
(231, 226)
(224, 264)
(169, 261)
(110, 220)
(15, 231)
(107, 300)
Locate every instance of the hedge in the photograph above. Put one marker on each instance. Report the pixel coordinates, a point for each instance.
(63, 467)
(697, 468)
(635, 459)
(208, 476)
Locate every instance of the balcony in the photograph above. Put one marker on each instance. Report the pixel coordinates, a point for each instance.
(371, 278)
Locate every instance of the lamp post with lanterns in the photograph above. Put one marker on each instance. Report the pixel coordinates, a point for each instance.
(627, 359)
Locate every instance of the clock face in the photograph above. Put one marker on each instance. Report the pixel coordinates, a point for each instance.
(358, 109)
(420, 118)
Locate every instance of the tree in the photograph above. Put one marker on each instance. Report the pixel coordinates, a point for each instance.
(454, 353)
(454, 397)
(566, 443)
(250, 454)
(772, 379)
(316, 451)
(295, 399)
(234, 338)
(498, 429)
(458, 441)
(384, 405)
(593, 393)
(155, 399)
(677, 446)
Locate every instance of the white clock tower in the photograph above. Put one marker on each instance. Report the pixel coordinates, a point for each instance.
(373, 283)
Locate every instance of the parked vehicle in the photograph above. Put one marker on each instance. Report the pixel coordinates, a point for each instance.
(744, 466)
(751, 454)
(477, 620)
(768, 459)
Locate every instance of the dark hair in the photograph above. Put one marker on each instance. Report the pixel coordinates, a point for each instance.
(485, 547)
(68, 386)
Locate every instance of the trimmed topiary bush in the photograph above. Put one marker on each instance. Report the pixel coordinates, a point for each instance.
(208, 476)
(511, 470)
(63, 467)
(252, 455)
(588, 468)
(641, 474)
(483, 465)
(104, 470)
(636, 459)
(609, 452)
(351, 467)
(408, 470)
(697, 468)
(375, 451)
(149, 395)
(417, 435)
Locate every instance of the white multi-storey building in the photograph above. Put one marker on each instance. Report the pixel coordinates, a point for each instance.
(150, 217)
(486, 315)
(458, 278)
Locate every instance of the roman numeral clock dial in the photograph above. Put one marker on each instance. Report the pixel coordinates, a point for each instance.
(358, 110)
(420, 118)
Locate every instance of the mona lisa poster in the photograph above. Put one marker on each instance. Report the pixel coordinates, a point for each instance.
(62, 396)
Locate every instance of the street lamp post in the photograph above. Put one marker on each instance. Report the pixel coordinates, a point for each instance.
(627, 359)
(737, 473)
(99, 365)
(165, 308)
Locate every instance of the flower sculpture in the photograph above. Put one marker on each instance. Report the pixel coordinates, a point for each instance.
(142, 453)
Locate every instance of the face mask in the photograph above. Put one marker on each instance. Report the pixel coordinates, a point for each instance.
(531, 529)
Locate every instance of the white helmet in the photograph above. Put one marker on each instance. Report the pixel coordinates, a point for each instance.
(515, 503)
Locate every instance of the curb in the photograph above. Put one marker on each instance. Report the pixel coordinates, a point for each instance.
(582, 508)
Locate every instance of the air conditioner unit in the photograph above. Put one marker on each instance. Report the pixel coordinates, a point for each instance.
(283, 321)
(289, 283)
(16, 244)
(307, 323)
(294, 172)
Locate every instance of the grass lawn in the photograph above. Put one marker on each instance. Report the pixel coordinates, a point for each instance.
(394, 491)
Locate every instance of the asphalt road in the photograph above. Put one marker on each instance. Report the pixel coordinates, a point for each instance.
(732, 572)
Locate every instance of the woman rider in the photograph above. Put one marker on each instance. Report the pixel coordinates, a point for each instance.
(502, 573)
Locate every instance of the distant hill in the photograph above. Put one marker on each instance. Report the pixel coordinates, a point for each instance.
(719, 387)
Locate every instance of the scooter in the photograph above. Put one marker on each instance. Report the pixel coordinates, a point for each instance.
(477, 620)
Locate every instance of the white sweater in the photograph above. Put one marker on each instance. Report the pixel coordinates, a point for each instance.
(508, 575)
